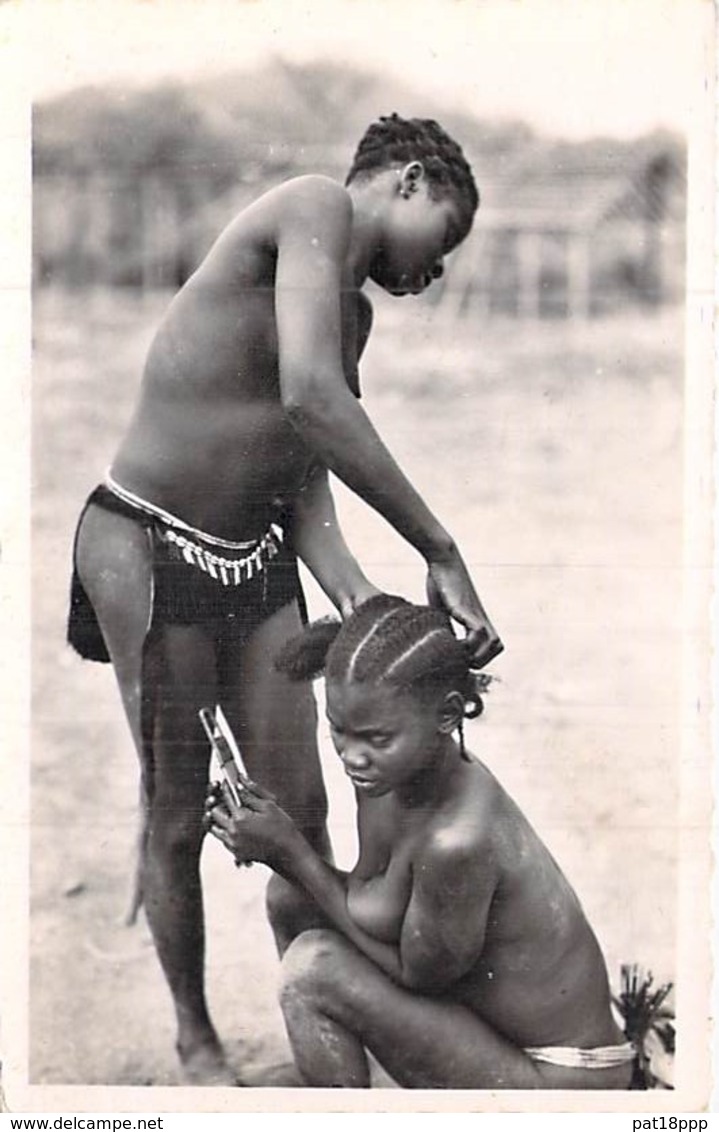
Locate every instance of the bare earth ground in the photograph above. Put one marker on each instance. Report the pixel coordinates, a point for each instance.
(553, 454)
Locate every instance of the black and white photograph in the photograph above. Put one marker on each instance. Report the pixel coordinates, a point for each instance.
(357, 555)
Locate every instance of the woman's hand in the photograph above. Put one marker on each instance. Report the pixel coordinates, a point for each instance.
(258, 830)
(450, 587)
(358, 597)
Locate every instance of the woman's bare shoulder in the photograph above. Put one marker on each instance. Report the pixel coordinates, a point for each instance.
(467, 823)
(312, 193)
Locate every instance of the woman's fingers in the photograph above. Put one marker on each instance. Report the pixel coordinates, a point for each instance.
(483, 646)
(249, 793)
(220, 834)
(255, 790)
(219, 817)
(229, 801)
(250, 800)
(226, 840)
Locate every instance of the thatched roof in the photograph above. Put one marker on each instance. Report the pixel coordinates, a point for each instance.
(565, 187)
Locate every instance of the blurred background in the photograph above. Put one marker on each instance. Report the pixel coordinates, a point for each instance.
(131, 188)
(535, 396)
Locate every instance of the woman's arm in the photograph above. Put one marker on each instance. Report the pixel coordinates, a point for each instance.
(443, 931)
(260, 830)
(444, 927)
(454, 880)
(320, 544)
(313, 243)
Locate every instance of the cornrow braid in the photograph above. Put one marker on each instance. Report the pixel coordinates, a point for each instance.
(388, 641)
(394, 139)
(304, 657)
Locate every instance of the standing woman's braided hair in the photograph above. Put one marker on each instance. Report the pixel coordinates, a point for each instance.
(393, 139)
(387, 640)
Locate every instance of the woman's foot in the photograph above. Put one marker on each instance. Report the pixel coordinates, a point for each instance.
(205, 1064)
(280, 1075)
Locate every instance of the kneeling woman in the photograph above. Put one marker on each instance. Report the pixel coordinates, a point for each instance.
(455, 950)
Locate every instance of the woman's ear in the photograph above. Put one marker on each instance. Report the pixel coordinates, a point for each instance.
(451, 713)
(410, 178)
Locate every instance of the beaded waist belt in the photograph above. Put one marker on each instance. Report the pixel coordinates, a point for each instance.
(228, 571)
(243, 562)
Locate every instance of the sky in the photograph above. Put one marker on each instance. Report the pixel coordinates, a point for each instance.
(568, 67)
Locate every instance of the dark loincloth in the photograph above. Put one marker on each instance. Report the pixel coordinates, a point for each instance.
(229, 589)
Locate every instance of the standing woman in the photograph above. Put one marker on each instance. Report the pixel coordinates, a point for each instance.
(186, 557)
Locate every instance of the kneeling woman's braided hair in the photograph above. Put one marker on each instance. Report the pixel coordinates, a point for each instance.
(387, 640)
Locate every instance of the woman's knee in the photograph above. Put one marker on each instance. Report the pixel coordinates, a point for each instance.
(316, 967)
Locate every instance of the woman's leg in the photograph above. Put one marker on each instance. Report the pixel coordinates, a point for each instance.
(337, 1003)
(177, 675)
(181, 662)
(275, 722)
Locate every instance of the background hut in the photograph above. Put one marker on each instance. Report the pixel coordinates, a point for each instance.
(576, 230)
(131, 190)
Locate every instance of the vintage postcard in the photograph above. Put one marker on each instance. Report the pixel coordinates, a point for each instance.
(199, 198)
